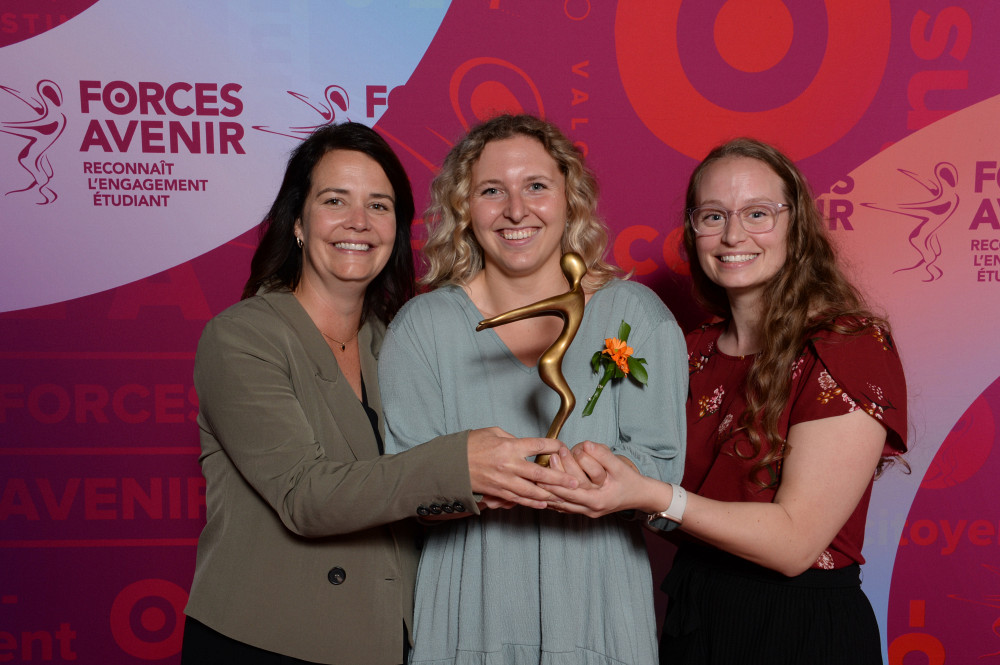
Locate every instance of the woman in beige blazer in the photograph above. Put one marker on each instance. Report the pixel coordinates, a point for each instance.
(303, 557)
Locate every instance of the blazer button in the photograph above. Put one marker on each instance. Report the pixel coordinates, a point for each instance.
(435, 509)
(422, 511)
(459, 507)
(337, 575)
(447, 508)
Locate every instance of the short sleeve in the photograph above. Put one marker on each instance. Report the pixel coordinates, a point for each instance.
(850, 373)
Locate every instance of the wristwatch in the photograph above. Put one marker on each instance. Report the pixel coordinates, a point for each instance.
(675, 511)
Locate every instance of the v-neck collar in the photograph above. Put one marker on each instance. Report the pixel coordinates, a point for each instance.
(474, 316)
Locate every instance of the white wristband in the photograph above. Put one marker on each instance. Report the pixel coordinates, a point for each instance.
(675, 511)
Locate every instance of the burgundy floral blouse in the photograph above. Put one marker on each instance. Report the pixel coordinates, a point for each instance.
(836, 374)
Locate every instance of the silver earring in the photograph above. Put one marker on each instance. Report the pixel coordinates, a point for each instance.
(299, 241)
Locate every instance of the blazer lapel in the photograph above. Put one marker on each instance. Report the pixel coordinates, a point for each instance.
(370, 342)
(349, 415)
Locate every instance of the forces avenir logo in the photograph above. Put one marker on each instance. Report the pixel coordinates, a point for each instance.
(38, 122)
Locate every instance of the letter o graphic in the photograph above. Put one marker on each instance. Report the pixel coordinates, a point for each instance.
(120, 98)
(842, 88)
(147, 619)
(921, 643)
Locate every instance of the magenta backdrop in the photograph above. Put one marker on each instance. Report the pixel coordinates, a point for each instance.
(889, 106)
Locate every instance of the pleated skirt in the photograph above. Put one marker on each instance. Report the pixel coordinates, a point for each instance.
(724, 610)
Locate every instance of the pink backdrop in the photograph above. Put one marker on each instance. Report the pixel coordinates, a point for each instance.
(140, 144)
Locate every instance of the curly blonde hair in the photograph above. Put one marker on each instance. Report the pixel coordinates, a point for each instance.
(810, 293)
(452, 253)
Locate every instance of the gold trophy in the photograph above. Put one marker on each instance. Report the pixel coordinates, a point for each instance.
(569, 306)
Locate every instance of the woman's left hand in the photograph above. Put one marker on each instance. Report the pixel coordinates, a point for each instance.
(566, 461)
(612, 483)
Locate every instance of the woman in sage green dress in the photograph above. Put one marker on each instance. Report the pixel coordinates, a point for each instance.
(516, 585)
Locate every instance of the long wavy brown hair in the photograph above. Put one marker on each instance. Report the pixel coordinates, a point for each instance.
(809, 294)
(454, 256)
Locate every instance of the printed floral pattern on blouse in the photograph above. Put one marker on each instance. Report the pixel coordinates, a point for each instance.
(709, 405)
(825, 561)
(836, 374)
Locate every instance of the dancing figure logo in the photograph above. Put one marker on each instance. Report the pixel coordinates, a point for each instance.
(929, 214)
(335, 99)
(43, 126)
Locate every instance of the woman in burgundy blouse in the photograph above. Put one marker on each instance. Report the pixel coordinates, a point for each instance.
(797, 402)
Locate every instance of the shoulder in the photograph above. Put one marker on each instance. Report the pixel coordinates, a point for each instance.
(250, 329)
(261, 307)
(866, 366)
(870, 343)
(433, 311)
(256, 311)
(442, 301)
(703, 338)
(271, 325)
(633, 301)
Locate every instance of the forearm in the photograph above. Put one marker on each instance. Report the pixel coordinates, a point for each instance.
(763, 533)
(334, 499)
(831, 466)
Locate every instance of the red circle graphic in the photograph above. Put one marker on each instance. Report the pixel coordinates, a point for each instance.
(768, 20)
(152, 619)
(649, 63)
(489, 95)
(965, 450)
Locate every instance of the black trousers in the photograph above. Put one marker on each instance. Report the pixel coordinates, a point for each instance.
(204, 646)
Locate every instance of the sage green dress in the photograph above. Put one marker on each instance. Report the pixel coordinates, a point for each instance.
(525, 586)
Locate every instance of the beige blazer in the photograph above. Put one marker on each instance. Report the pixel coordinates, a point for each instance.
(302, 552)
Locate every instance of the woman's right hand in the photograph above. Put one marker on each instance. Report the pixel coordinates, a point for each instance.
(568, 461)
(499, 468)
(494, 503)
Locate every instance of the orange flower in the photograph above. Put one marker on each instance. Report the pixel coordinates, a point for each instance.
(619, 352)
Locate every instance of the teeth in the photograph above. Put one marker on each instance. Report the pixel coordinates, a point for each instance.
(352, 245)
(736, 258)
(518, 234)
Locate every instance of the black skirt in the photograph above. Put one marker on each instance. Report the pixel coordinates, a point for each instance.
(723, 610)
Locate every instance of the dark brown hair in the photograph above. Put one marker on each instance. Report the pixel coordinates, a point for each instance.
(277, 262)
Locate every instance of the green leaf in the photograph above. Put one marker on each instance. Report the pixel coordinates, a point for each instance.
(637, 371)
(595, 361)
(623, 330)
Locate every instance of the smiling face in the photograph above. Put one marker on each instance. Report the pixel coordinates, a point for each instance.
(738, 261)
(348, 221)
(518, 207)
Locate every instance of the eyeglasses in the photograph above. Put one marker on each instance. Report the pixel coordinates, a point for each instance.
(755, 218)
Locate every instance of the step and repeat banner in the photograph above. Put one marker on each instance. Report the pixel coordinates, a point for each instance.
(142, 141)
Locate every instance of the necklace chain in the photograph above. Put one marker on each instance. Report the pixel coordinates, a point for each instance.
(343, 345)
